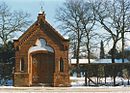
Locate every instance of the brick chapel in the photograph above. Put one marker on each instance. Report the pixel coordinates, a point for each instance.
(41, 56)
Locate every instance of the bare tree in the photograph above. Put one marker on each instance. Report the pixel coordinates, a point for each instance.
(69, 16)
(11, 22)
(76, 20)
(124, 21)
(109, 14)
(113, 16)
(87, 24)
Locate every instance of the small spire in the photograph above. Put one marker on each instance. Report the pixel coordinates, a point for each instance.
(41, 10)
(41, 14)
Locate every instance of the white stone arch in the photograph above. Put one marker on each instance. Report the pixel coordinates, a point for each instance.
(41, 45)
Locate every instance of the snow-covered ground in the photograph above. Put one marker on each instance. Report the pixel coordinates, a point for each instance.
(64, 89)
(77, 81)
(80, 81)
(77, 87)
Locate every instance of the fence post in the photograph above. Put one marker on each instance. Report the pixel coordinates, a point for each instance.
(86, 78)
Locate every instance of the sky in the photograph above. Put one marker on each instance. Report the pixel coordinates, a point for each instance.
(33, 7)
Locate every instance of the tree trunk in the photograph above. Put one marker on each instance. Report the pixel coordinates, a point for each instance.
(77, 56)
(88, 49)
(88, 56)
(128, 81)
(123, 26)
(86, 78)
(114, 80)
(113, 56)
(122, 48)
(113, 52)
(114, 75)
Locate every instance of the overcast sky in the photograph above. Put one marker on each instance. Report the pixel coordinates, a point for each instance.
(33, 7)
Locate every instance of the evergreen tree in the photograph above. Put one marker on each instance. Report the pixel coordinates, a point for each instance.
(7, 59)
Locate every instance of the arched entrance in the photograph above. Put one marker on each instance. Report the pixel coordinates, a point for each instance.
(42, 68)
(42, 63)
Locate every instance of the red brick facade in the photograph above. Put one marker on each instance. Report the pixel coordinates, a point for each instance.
(39, 52)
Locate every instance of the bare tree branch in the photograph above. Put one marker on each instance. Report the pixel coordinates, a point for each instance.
(11, 22)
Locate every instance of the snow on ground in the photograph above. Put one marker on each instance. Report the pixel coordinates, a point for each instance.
(77, 87)
(75, 81)
(80, 82)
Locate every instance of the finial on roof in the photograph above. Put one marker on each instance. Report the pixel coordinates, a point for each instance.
(41, 14)
(41, 10)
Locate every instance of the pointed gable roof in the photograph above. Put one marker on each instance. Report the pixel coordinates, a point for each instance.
(45, 26)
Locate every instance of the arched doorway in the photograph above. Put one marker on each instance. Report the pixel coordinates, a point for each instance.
(42, 68)
(42, 63)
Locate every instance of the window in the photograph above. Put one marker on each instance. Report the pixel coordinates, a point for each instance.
(61, 65)
(22, 64)
(17, 48)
